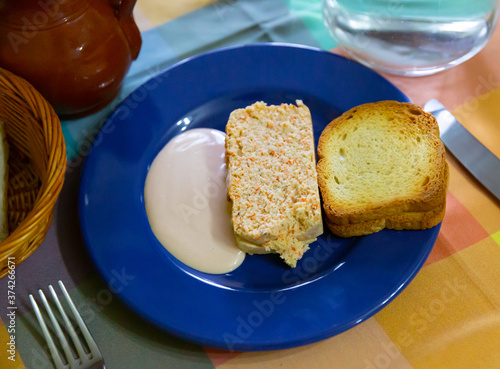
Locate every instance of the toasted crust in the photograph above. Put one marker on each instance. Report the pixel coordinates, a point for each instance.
(410, 220)
(378, 161)
(272, 179)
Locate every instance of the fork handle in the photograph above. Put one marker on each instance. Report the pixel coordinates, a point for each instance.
(98, 365)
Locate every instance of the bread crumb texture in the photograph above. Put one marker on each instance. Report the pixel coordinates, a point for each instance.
(272, 180)
(380, 160)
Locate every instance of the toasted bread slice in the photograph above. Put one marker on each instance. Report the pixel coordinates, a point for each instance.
(378, 161)
(272, 180)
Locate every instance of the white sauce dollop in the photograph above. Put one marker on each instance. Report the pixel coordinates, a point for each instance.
(186, 202)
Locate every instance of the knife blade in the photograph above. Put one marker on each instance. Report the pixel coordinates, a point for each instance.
(469, 151)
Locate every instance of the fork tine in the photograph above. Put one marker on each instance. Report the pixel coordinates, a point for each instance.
(64, 342)
(76, 341)
(94, 350)
(48, 338)
(84, 360)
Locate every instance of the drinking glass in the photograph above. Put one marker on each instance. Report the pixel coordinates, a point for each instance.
(411, 37)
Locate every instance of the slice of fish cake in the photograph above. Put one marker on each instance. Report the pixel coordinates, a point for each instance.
(272, 180)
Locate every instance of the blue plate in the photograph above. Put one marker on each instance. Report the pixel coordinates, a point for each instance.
(263, 304)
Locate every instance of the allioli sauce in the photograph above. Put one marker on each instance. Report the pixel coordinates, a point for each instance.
(186, 202)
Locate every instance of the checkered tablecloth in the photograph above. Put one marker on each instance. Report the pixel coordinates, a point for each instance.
(449, 315)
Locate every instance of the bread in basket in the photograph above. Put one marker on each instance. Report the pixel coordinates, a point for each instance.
(36, 167)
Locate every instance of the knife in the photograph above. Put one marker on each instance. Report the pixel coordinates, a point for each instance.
(474, 156)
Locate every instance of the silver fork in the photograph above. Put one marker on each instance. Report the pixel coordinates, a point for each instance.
(83, 359)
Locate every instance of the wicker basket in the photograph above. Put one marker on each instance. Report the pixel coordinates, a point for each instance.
(37, 163)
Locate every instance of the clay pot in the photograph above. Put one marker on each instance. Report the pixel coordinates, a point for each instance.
(75, 52)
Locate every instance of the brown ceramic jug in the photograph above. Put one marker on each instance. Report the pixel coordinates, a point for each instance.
(75, 52)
